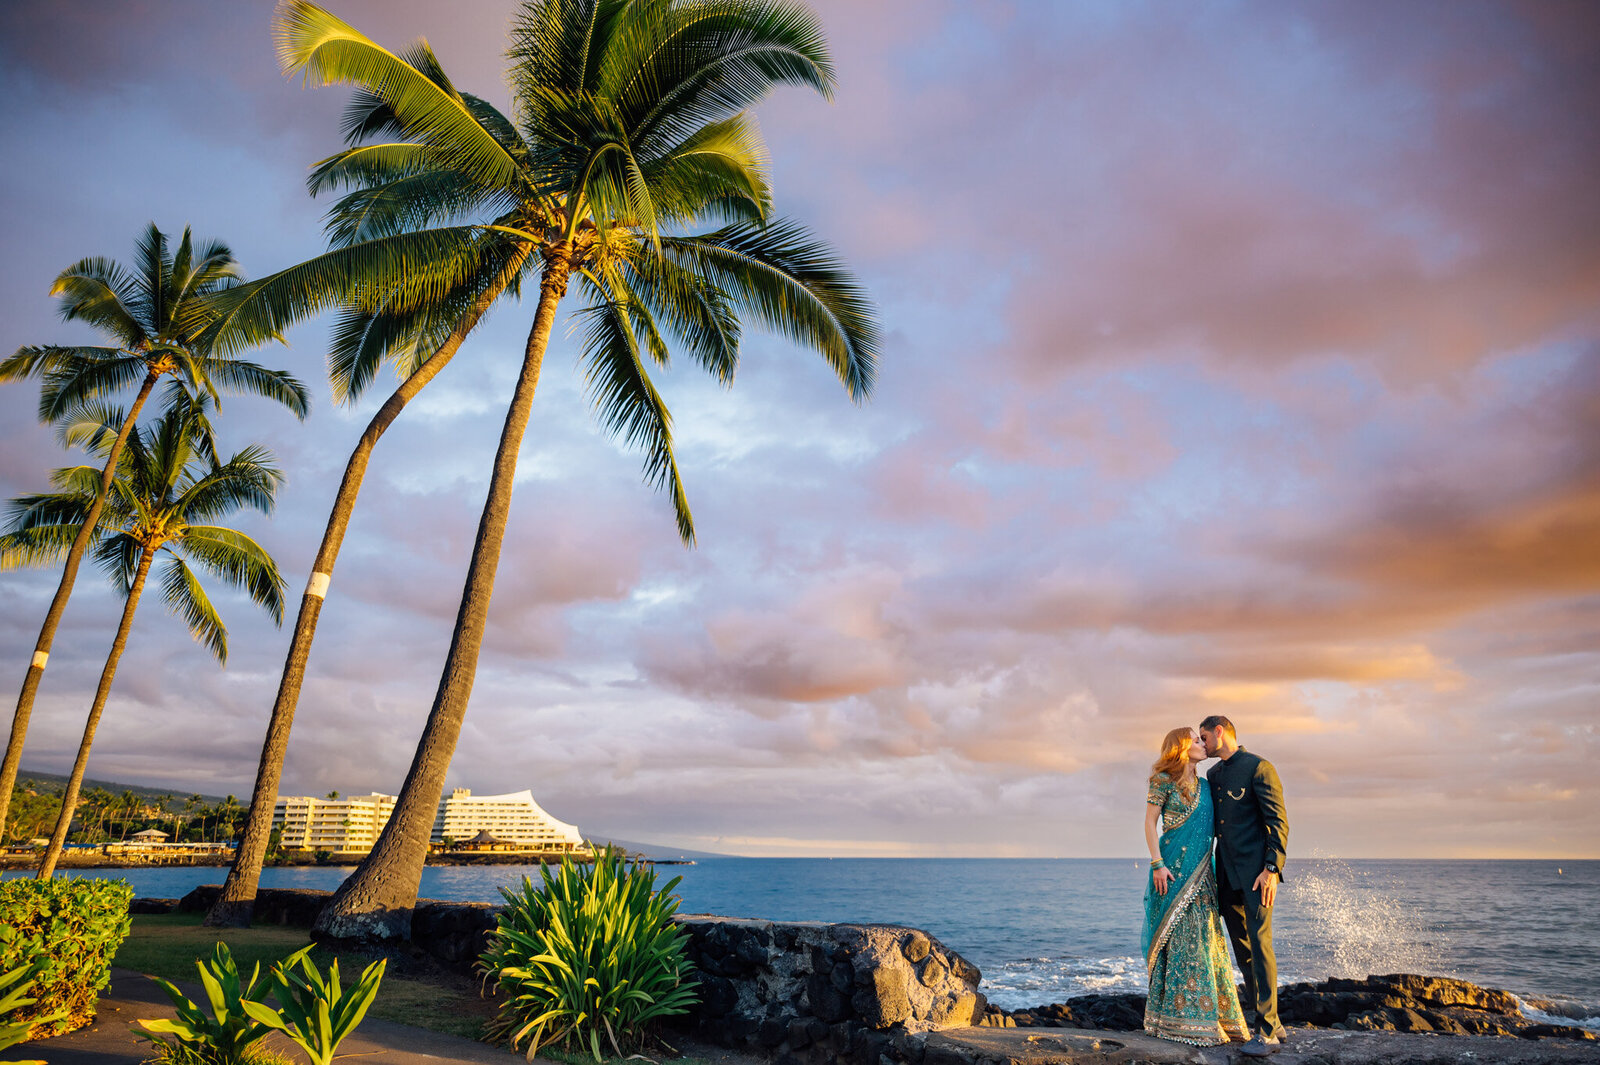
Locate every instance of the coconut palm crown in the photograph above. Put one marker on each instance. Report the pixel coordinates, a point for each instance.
(168, 493)
(158, 315)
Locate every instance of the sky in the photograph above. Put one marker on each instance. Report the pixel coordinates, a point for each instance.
(1239, 358)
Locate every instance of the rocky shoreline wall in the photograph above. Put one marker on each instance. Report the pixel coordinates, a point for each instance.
(802, 993)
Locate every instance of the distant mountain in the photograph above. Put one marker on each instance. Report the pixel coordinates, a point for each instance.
(652, 850)
(150, 795)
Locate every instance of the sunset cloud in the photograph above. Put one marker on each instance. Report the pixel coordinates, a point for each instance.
(1237, 359)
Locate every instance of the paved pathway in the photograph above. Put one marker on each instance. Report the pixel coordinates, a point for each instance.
(131, 996)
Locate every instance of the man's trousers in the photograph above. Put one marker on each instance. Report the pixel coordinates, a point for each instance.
(1250, 929)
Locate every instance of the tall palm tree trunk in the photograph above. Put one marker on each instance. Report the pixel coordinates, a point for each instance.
(376, 901)
(52, 617)
(69, 800)
(236, 903)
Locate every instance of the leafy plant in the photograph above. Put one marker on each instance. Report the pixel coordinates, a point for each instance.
(15, 986)
(70, 930)
(315, 1011)
(591, 950)
(225, 1036)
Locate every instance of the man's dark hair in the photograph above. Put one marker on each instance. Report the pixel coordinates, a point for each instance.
(1217, 721)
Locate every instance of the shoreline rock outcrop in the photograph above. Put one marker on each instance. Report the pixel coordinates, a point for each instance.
(808, 993)
(1397, 1002)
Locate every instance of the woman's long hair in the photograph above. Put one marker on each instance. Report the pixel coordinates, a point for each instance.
(1173, 764)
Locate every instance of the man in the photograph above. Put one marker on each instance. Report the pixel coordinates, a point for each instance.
(1252, 834)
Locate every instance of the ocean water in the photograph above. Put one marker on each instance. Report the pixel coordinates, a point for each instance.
(1043, 930)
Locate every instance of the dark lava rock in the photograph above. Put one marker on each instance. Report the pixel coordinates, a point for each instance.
(152, 905)
(1398, 1002)
(1556, 1031)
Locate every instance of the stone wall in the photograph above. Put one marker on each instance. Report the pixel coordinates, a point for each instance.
(804, 993)
(811, 993)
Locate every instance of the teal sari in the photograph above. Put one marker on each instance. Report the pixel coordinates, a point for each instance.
(1192, 997)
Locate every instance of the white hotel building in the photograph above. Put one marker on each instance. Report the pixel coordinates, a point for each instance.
(352, 825)
(348, 825)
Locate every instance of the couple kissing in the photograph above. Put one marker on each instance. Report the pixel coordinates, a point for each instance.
(1217, 850)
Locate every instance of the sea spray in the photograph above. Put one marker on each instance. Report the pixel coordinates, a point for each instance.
(1353, 923)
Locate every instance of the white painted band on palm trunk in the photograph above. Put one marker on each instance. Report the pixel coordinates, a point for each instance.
(40, 658)
(318, 585)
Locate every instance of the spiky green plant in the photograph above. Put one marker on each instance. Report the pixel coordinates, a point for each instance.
(589, 953)
(315, 1010)
(14, 988)
(227, 1034)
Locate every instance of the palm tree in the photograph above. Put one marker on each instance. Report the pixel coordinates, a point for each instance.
(164, 498)
(630, 131)
(157, 315)
(459, 187)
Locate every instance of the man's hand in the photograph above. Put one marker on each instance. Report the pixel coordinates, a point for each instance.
(1163, 879)
(1267, 884)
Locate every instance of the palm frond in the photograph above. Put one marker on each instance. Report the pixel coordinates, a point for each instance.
(98, 292)
(40, 528)
(185, 597)
(402, 270)
(409, 203)
(250, 478)
(40, 545)
(152, 277)
(84, 375)
(792, 283)
(673, 68)
(240, 561)
(626, 401)
(91, 424)
(717, 174)
(117, 555)
(559, 45)
(195, 409)
(245, 377)
(370, 164)
(329, 51)
(81, 481)
(693, 309)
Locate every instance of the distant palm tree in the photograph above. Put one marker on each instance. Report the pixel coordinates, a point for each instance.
(607, 170)
(164, 497)
(156, 315)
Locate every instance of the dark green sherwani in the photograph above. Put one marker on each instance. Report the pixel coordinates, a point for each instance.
(1252, 834)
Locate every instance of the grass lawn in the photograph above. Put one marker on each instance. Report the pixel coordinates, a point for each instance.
(167, 945)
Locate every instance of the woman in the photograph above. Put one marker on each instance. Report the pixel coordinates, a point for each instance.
(1192, 996)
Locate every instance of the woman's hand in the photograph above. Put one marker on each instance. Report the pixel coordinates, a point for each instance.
(1163, 879)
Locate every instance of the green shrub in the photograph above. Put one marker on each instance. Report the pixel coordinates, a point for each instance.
(225, 1037)
(592, 950)
(73, 926)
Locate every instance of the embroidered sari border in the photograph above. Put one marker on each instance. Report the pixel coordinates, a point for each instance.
(1179, 906)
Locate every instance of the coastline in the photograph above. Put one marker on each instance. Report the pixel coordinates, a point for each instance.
(1045, 930)
(20, 863)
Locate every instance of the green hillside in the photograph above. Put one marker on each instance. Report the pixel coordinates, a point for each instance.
(28, 778)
